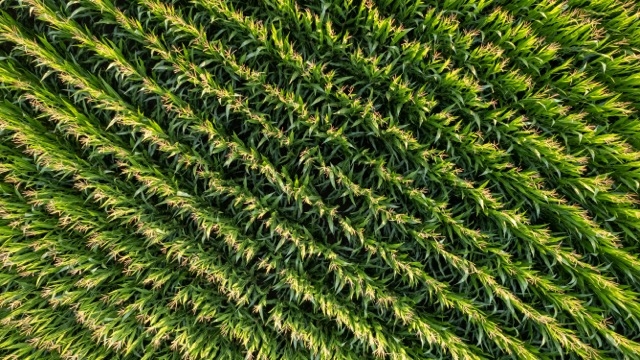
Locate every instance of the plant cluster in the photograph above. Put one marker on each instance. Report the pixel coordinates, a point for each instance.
(330, 179)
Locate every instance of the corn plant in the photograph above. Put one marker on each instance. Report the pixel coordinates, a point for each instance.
(334, 179)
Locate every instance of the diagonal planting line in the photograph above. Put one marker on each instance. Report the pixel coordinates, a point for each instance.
(614, 255)
(207, 267)
(534, 53)
(137, 259)
(181, 202)
(527, 147)
(623, 205)
(345, 178)
(83, 293)
(592, 187)
(130, 72)
(55, 333)
(478, 149)
(584, 37)
(87, 274)
(555, 252)
(108, 197)
(577, 218)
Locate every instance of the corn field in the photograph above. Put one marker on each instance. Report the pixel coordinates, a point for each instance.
(329, 179)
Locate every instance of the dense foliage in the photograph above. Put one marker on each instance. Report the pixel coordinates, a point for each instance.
(334, 179)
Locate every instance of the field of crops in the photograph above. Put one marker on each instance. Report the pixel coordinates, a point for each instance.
(329, 179)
